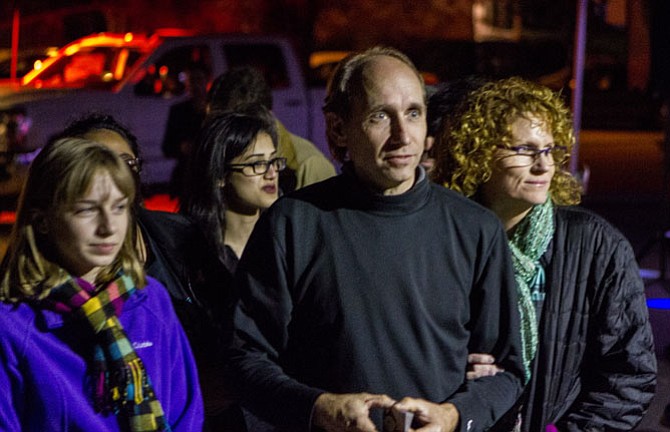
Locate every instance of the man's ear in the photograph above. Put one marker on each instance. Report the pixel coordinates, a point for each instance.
(430, 140)
(335, 130)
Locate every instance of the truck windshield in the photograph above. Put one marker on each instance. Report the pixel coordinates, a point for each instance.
(99, 67)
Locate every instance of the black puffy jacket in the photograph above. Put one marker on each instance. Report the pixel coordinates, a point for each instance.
(595, 368)
(198, 284)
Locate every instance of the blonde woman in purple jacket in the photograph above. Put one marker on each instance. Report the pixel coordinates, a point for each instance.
(88, 342)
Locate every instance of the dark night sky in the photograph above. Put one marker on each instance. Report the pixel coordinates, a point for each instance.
(74, 18)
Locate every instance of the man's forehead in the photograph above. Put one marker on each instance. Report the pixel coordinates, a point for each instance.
(386, 66)
(387, 77)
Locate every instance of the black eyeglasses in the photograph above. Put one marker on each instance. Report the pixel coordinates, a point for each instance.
(259, 167)
(527, 155)
(135, 163)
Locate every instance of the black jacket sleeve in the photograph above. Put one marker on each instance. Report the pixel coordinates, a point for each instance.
(495, 330)
(619, 376)
(260, 323)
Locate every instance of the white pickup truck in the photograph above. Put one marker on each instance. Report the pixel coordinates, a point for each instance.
(137, 78)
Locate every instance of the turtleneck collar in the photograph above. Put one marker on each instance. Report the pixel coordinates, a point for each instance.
(391, 205)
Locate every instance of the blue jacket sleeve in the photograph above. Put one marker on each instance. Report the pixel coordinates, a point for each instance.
(11, 377)
(181, 397)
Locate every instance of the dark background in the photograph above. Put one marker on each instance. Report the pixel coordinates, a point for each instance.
(627, 79)
(355, 24)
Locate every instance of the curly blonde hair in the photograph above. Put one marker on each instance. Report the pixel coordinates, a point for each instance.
(470, 136)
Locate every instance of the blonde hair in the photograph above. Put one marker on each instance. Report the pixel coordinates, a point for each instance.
(469, 137)
(62, 173)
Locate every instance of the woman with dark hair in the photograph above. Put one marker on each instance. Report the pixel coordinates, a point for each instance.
(232, 178)
(588, 346)
(88, 342)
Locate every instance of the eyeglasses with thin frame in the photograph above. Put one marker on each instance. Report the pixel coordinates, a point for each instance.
(527, 155)
(259, 167)
(135, 163)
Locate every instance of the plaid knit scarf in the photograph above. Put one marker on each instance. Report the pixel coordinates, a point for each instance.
(121, 384)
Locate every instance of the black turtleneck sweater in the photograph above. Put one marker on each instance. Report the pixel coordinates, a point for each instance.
(343, 290)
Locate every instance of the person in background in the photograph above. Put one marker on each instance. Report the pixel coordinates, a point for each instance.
(587, 340)
(246, 85)
(443, 101)
(370, 287)
(183, 125)
(88, 342)
(174, 251)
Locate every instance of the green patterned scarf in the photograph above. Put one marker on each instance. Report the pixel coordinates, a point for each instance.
(528, 243)
(121, 383)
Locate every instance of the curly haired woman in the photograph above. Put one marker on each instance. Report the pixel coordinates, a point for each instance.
(588, 345)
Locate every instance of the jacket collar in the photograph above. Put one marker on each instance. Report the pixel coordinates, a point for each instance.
(48, 319)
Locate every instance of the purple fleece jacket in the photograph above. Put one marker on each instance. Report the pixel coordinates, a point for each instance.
(44, 384)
